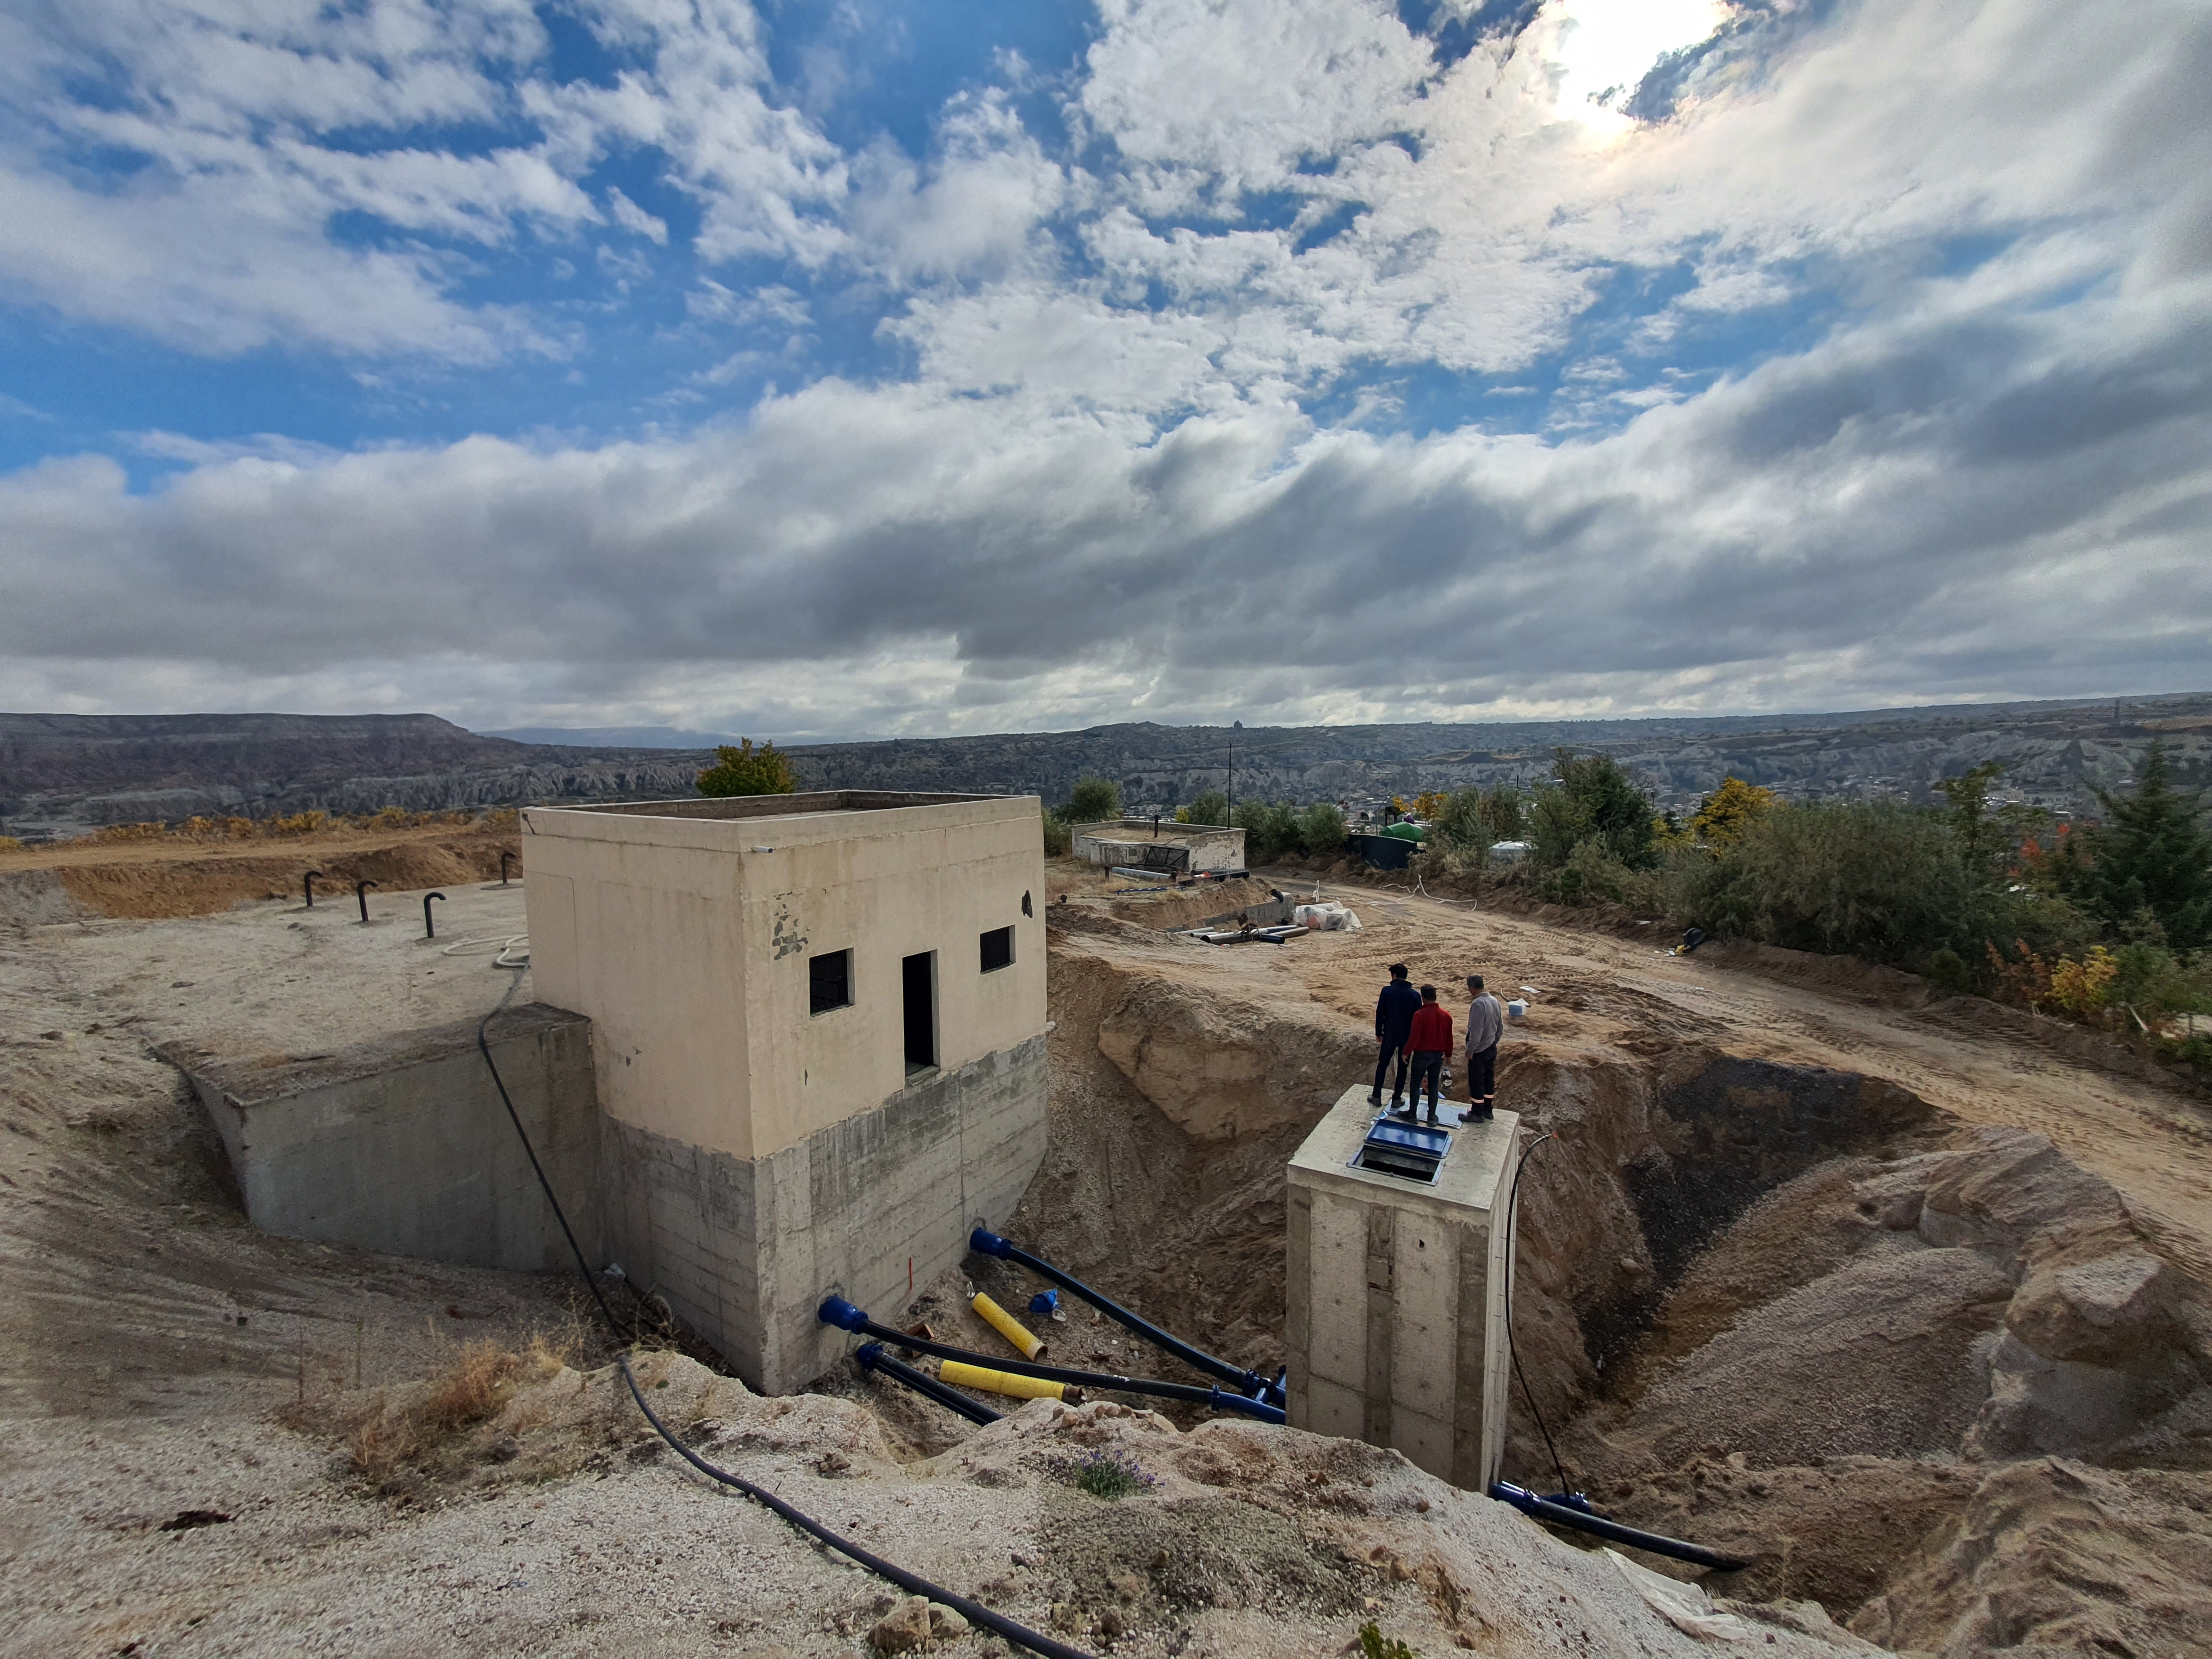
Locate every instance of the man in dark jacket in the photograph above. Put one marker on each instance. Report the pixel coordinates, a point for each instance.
(1393, 1023)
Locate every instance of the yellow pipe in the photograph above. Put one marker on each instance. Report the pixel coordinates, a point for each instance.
(961, 1374)
(1007, 1326)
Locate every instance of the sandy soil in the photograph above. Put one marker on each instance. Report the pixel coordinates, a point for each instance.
(174, 877)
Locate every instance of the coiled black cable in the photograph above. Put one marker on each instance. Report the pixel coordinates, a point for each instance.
(974, 1612)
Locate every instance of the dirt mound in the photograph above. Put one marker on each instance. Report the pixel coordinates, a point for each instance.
(1845, 1374)
(188, 886)
(2052, 1557)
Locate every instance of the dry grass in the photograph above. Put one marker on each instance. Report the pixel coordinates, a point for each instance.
(442, 1430)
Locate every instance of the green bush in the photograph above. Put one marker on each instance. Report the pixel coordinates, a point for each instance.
(746, 771)
(1868, 878)
(1211, 806)
(1462, 822)
(1093, 800)
(1271, 828)
(1057, 837)
(1321, 830)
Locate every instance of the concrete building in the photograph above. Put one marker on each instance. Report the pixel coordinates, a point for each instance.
(818, 1031)
(1397, 1274)
(1140, 843)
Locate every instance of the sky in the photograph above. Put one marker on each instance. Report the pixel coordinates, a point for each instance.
(927, 367)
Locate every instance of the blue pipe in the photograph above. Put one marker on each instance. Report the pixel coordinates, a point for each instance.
(983, 1242)
(874, 1359)
(836, 1310)
(1572, 1510)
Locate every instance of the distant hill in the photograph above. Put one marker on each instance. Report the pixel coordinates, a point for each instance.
(62, 774)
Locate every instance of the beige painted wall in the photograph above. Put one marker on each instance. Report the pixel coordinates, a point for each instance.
(685, 938)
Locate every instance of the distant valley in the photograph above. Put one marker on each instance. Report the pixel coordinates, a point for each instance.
(66, 774)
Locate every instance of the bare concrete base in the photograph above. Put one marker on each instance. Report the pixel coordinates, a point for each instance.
(404, 1146)
(743, 1250)
(1395, 1332)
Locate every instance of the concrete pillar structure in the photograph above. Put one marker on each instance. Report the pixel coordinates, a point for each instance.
(1396, 1327)
(818, 1026)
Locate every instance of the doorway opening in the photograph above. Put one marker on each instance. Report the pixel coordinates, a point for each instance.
(918, 974)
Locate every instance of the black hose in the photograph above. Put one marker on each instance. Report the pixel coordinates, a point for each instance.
(874, 1359)
(1111, 1383)
(1512, 1215)
(1561, 1515)
(974, 1612)
(986, 1242)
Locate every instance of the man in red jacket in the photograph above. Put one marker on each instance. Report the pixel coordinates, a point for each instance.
(1428, 1042)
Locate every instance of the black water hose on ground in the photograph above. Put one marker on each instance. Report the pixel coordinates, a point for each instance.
(836, 1310)
(912, 1583)
(984, 1241)
(871, 1357)
(1562, 1514)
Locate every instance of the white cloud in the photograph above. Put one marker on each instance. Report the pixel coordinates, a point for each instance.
(633, 218)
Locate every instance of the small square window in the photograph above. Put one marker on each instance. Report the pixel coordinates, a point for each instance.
(998, 950)
(829, 982)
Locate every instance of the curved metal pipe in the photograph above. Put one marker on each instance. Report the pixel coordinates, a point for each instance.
(505, 859)
(984, 1241)
(836, 1310)
(1561, 1515)
(360, 891)
(307, 886)
(430, 928)
(874, 1359)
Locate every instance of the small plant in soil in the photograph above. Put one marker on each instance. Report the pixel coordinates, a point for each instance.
(1109, 1474)
(1373, 1645)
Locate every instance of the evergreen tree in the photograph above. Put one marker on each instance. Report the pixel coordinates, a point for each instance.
(2152, 854)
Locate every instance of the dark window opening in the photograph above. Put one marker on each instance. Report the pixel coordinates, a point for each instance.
(829, 982)
(918, 976)
(998, 950)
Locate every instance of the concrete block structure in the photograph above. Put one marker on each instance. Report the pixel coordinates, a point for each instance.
(1396, 1322)
(402, 1144)
(1141, 844)
(818, 1027)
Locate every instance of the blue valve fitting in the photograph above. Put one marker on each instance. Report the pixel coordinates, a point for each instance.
(836, 1310)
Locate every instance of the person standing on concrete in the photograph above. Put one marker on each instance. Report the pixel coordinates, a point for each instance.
(1430, 1040)
(1394, 1021)
(1486, 1023)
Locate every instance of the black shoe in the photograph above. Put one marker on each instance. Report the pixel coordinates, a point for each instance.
(1374, 1097)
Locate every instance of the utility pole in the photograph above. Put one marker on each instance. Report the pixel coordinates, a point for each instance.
(1232, 780)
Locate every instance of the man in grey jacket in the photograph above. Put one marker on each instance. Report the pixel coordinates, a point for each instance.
(1486, 1023)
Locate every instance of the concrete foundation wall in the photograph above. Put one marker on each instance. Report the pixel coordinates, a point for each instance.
(414, 1153)
(1395, 1329)
(744, 1249)
(1140, 845)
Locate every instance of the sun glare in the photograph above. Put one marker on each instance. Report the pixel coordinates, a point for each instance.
(1606, 47)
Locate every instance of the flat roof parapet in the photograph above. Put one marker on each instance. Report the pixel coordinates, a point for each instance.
(777, 806)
